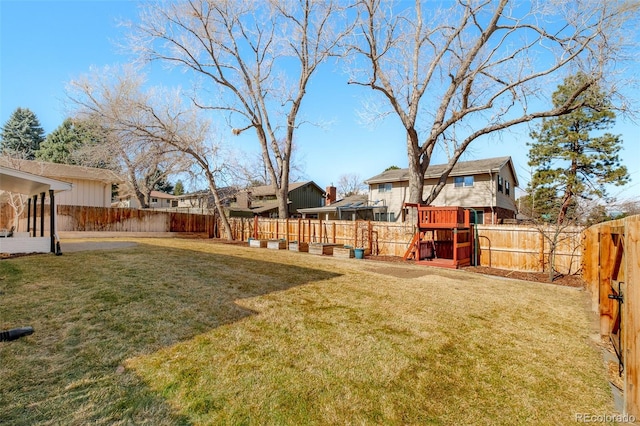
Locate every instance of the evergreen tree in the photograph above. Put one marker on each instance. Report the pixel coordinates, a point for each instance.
(570, 162)
(21, 135)
(157, 181)
(179, 188)
(60, 144)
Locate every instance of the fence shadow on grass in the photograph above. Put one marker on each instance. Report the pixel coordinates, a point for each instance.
(93, 310)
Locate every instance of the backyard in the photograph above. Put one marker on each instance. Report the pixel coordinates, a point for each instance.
(176, 331)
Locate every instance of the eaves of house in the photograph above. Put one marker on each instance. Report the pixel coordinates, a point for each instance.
(267, 190)
(61, 171)
(462, 168)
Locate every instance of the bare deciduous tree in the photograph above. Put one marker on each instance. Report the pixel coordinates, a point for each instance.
(16, 202)
(455, 74)
(350, 184)
(154, 124)
(256, 56)
(102, 99)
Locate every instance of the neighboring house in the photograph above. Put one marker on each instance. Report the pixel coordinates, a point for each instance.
(90, 186)
(354, 207)
(203, 200)
(487, 186)
(261, 200)
(158, 200)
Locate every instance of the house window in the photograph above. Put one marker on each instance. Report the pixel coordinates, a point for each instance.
(507, 188)
(500, 183)
(154, 200)
(460, 181)
(384, 217)
(479, 214)
(384, 187)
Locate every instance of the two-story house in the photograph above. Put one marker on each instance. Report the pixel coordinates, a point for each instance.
(261, 200)
(487, 186)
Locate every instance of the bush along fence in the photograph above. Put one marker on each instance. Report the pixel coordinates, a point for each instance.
(611, 268)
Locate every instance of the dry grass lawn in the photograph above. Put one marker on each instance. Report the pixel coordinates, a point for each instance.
(187, 332)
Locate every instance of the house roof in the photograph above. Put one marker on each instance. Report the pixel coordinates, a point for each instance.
(21, 182)
(259, 207)
(265, 190)
(164, 195)
(462, 168)
(353, 202)
(223, 192)
(60, 171)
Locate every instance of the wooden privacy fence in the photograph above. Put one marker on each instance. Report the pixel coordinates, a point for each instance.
(611, 268)
(105, 219)
(78, 218)
(528, 248)
(521, 248)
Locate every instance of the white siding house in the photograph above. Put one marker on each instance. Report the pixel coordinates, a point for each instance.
(157, 200)
(90, 186)
(487, 186)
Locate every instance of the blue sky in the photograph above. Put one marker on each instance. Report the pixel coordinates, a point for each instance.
(45, 44)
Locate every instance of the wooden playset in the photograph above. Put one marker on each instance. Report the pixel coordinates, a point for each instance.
(444, 237)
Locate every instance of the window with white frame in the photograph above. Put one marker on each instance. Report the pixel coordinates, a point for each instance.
(460, 181)
(384, 187)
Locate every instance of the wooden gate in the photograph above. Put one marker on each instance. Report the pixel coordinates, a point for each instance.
(616, 294)
(611, 269)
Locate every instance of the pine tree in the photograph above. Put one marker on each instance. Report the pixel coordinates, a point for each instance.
(179, 188)
(571, 163)
(59, 145)
(21, 135)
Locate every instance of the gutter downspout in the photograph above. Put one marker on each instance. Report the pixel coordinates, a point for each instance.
(491, 204)
(475, 237)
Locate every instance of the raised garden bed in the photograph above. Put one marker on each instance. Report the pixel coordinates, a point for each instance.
(258, 243)
(301, 247)
(277, 244)
(344, 252)
(322, 248)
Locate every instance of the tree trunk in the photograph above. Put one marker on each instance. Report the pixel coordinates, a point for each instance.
(223, 217)
(216, 199)
(416, 168)
(283, 198)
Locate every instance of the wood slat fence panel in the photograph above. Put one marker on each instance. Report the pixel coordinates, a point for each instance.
(521, 248)
(526, 248)
(612, 255)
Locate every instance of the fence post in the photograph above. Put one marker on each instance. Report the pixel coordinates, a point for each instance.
(542, 251)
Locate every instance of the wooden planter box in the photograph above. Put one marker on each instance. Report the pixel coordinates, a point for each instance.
(277, 244)
(301, 247)
(344, 252)
(322, 248)
(258, 243)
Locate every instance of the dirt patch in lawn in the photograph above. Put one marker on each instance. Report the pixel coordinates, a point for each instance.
(397, 271)
(541, 277)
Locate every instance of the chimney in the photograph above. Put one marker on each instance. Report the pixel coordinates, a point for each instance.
(331, 195)
(244, 199)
